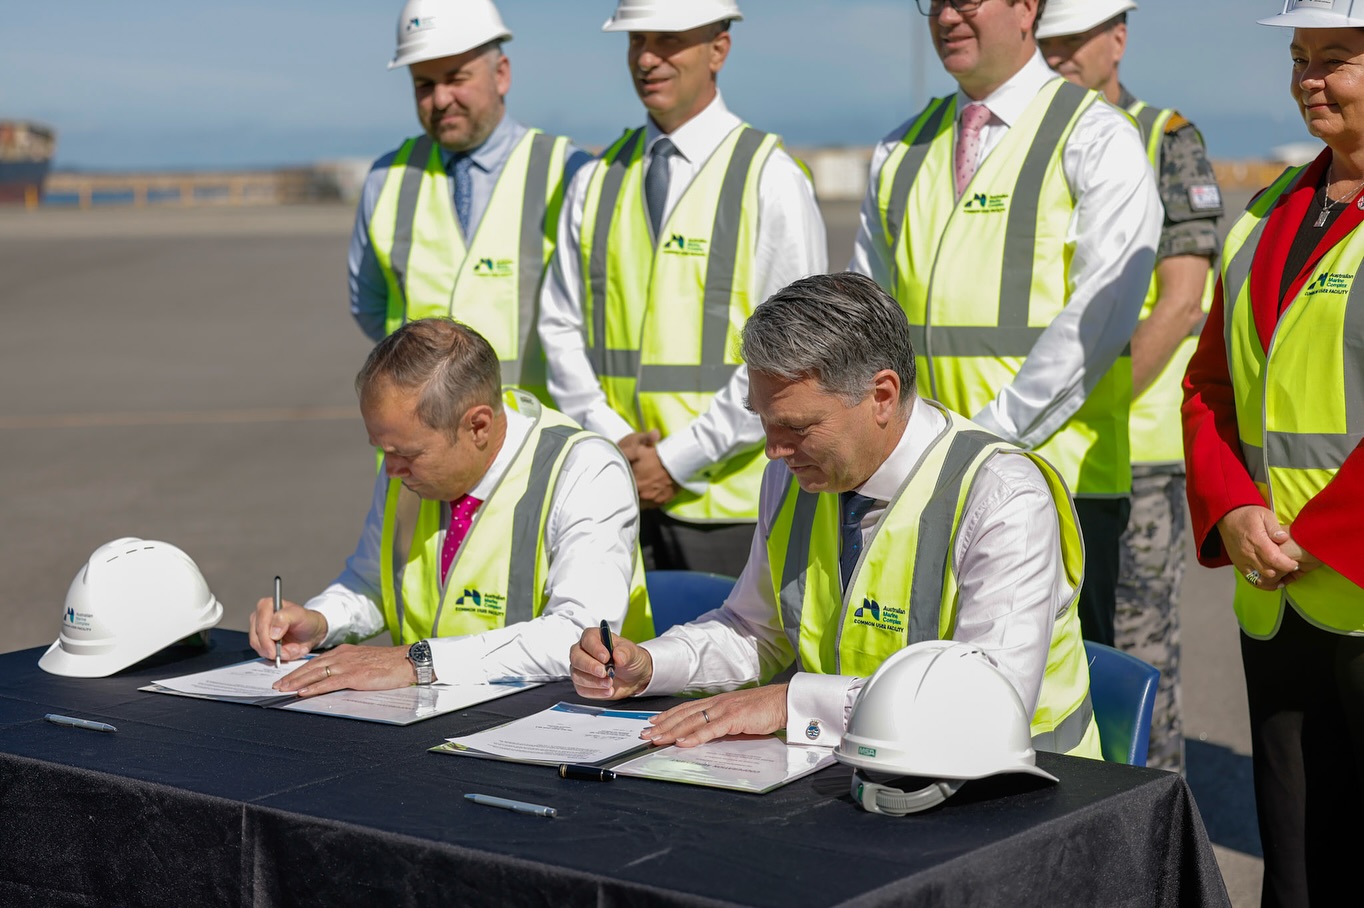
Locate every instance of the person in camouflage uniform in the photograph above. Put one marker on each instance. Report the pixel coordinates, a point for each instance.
(1084, 40)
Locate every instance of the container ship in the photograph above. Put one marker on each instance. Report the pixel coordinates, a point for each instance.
(26, 150)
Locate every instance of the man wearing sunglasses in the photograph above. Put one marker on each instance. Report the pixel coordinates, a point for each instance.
(1016, 222)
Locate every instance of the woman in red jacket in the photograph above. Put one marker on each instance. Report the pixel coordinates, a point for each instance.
(1273, 417)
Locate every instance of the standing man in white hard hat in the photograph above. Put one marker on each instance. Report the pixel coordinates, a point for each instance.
(1084, 40)
(497, 531)
(461, 220)
(884, 521)
(667, 244)
(1017, 221)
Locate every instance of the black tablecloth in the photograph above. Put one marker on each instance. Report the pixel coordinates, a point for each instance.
(195, 803)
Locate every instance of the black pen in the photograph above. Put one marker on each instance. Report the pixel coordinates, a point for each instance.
(610, 652)
(586, 773)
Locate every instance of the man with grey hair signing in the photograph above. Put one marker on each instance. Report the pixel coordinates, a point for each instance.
(866, 543)
(498, 530)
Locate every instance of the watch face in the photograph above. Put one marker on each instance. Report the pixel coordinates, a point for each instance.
(420, 653)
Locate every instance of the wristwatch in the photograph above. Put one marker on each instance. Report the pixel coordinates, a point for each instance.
(419, 654)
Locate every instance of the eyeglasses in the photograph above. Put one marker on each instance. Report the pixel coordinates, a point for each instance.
(934, 7)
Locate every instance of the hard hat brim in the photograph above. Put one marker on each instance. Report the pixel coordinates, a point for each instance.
(58, 661)
(658, 23)
(419, 56)
(894, 766)
(1079, 26)
(1311, 18)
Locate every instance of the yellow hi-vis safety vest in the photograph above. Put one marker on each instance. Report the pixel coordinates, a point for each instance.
(1299, 404)
(980, 277)
(492, 283)
(663, 315)
(1157, 435)
(904, 590)
(498, 576)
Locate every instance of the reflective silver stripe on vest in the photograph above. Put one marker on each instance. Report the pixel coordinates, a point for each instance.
(525, 541)
(713, 373)
(1020, 241)
(1254, 456)
(937, 529)
(1235, 277)
(910, 164)
(792, 593)
(408, 191)
(404, 531)
(976, 340)
(1307, 450)
(529, 367)
(1067, 736)
(601, 235)
(1146, 121)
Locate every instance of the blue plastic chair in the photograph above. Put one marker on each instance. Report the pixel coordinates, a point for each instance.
(1123, 690)
(679, 596)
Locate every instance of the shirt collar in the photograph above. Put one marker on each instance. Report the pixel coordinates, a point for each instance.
(925, 424)
(1008, 102)
(494, 149)
(1125, 98)
(518, 427)
(697, 139)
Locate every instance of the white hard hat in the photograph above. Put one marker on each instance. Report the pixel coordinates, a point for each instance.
(669, 15)
(1319, 14)
(133, 598)
(1072, 17)
(938, 711)
(431, 29)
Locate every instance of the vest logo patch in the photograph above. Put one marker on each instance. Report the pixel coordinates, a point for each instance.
(481, 603)
(495, 267)
(679, 245)
(985, 203)
(884, 618)
(1330, 282)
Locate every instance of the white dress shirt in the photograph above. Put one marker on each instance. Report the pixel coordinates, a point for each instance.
(1007, 559)
(1113, 234)
(591, 533)
(790, 245)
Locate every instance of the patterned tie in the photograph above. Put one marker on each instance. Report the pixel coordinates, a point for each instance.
(656, 182)
(973, 120)
(464, 190)
(461, 516)
(854, 508)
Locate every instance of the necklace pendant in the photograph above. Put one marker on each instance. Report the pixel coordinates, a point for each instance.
(1321, 218)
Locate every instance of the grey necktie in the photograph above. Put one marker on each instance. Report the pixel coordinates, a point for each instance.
(464, 189)
(854, 508)
(656, 181)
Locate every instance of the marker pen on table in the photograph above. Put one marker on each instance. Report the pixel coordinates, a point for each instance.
(538, 810)
(585, 772)
(71, 722)
(279, 647)
(610, 651)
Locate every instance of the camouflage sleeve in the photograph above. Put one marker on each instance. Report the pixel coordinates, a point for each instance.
(1189, 191)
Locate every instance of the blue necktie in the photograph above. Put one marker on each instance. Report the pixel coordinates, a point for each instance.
(464, 190)
(656, 182)
(854, 507)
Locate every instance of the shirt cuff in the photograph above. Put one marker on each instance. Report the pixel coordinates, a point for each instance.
(458, 660)
(607, 423)
(672, 665)
(683, 458)
(818, 707)
(338, 620)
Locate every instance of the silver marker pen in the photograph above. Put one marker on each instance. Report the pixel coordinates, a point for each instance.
(71, 722)
(538, 810)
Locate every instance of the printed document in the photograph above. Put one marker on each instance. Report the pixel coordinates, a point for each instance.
(752, 763)
(564, 733)
(250, 683)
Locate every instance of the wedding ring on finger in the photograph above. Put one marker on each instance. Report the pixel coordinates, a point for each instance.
(705, 715)
(328, 670)
(1253, 577)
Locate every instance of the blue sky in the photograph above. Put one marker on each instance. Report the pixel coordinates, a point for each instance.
(153, 83)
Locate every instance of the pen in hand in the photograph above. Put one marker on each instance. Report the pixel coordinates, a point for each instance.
(610, 651)
(279, 647)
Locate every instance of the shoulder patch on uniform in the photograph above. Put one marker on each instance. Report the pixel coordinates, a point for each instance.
(1205, 197)
(1175, 123)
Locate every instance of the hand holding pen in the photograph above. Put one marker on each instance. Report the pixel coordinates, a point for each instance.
(286, 630)
(606, 666)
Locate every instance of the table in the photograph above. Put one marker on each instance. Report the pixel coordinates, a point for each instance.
(197, 803)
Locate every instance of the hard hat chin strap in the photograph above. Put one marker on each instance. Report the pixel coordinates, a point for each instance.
(896, 802)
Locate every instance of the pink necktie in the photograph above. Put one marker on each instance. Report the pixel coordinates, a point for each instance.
(973, 120)
(461, 515)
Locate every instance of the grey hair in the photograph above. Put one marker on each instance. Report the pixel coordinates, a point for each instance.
(450, 364)
(839, 329)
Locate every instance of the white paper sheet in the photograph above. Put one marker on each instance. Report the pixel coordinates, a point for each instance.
(564, 733)
(752, 763)
(250, 683)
